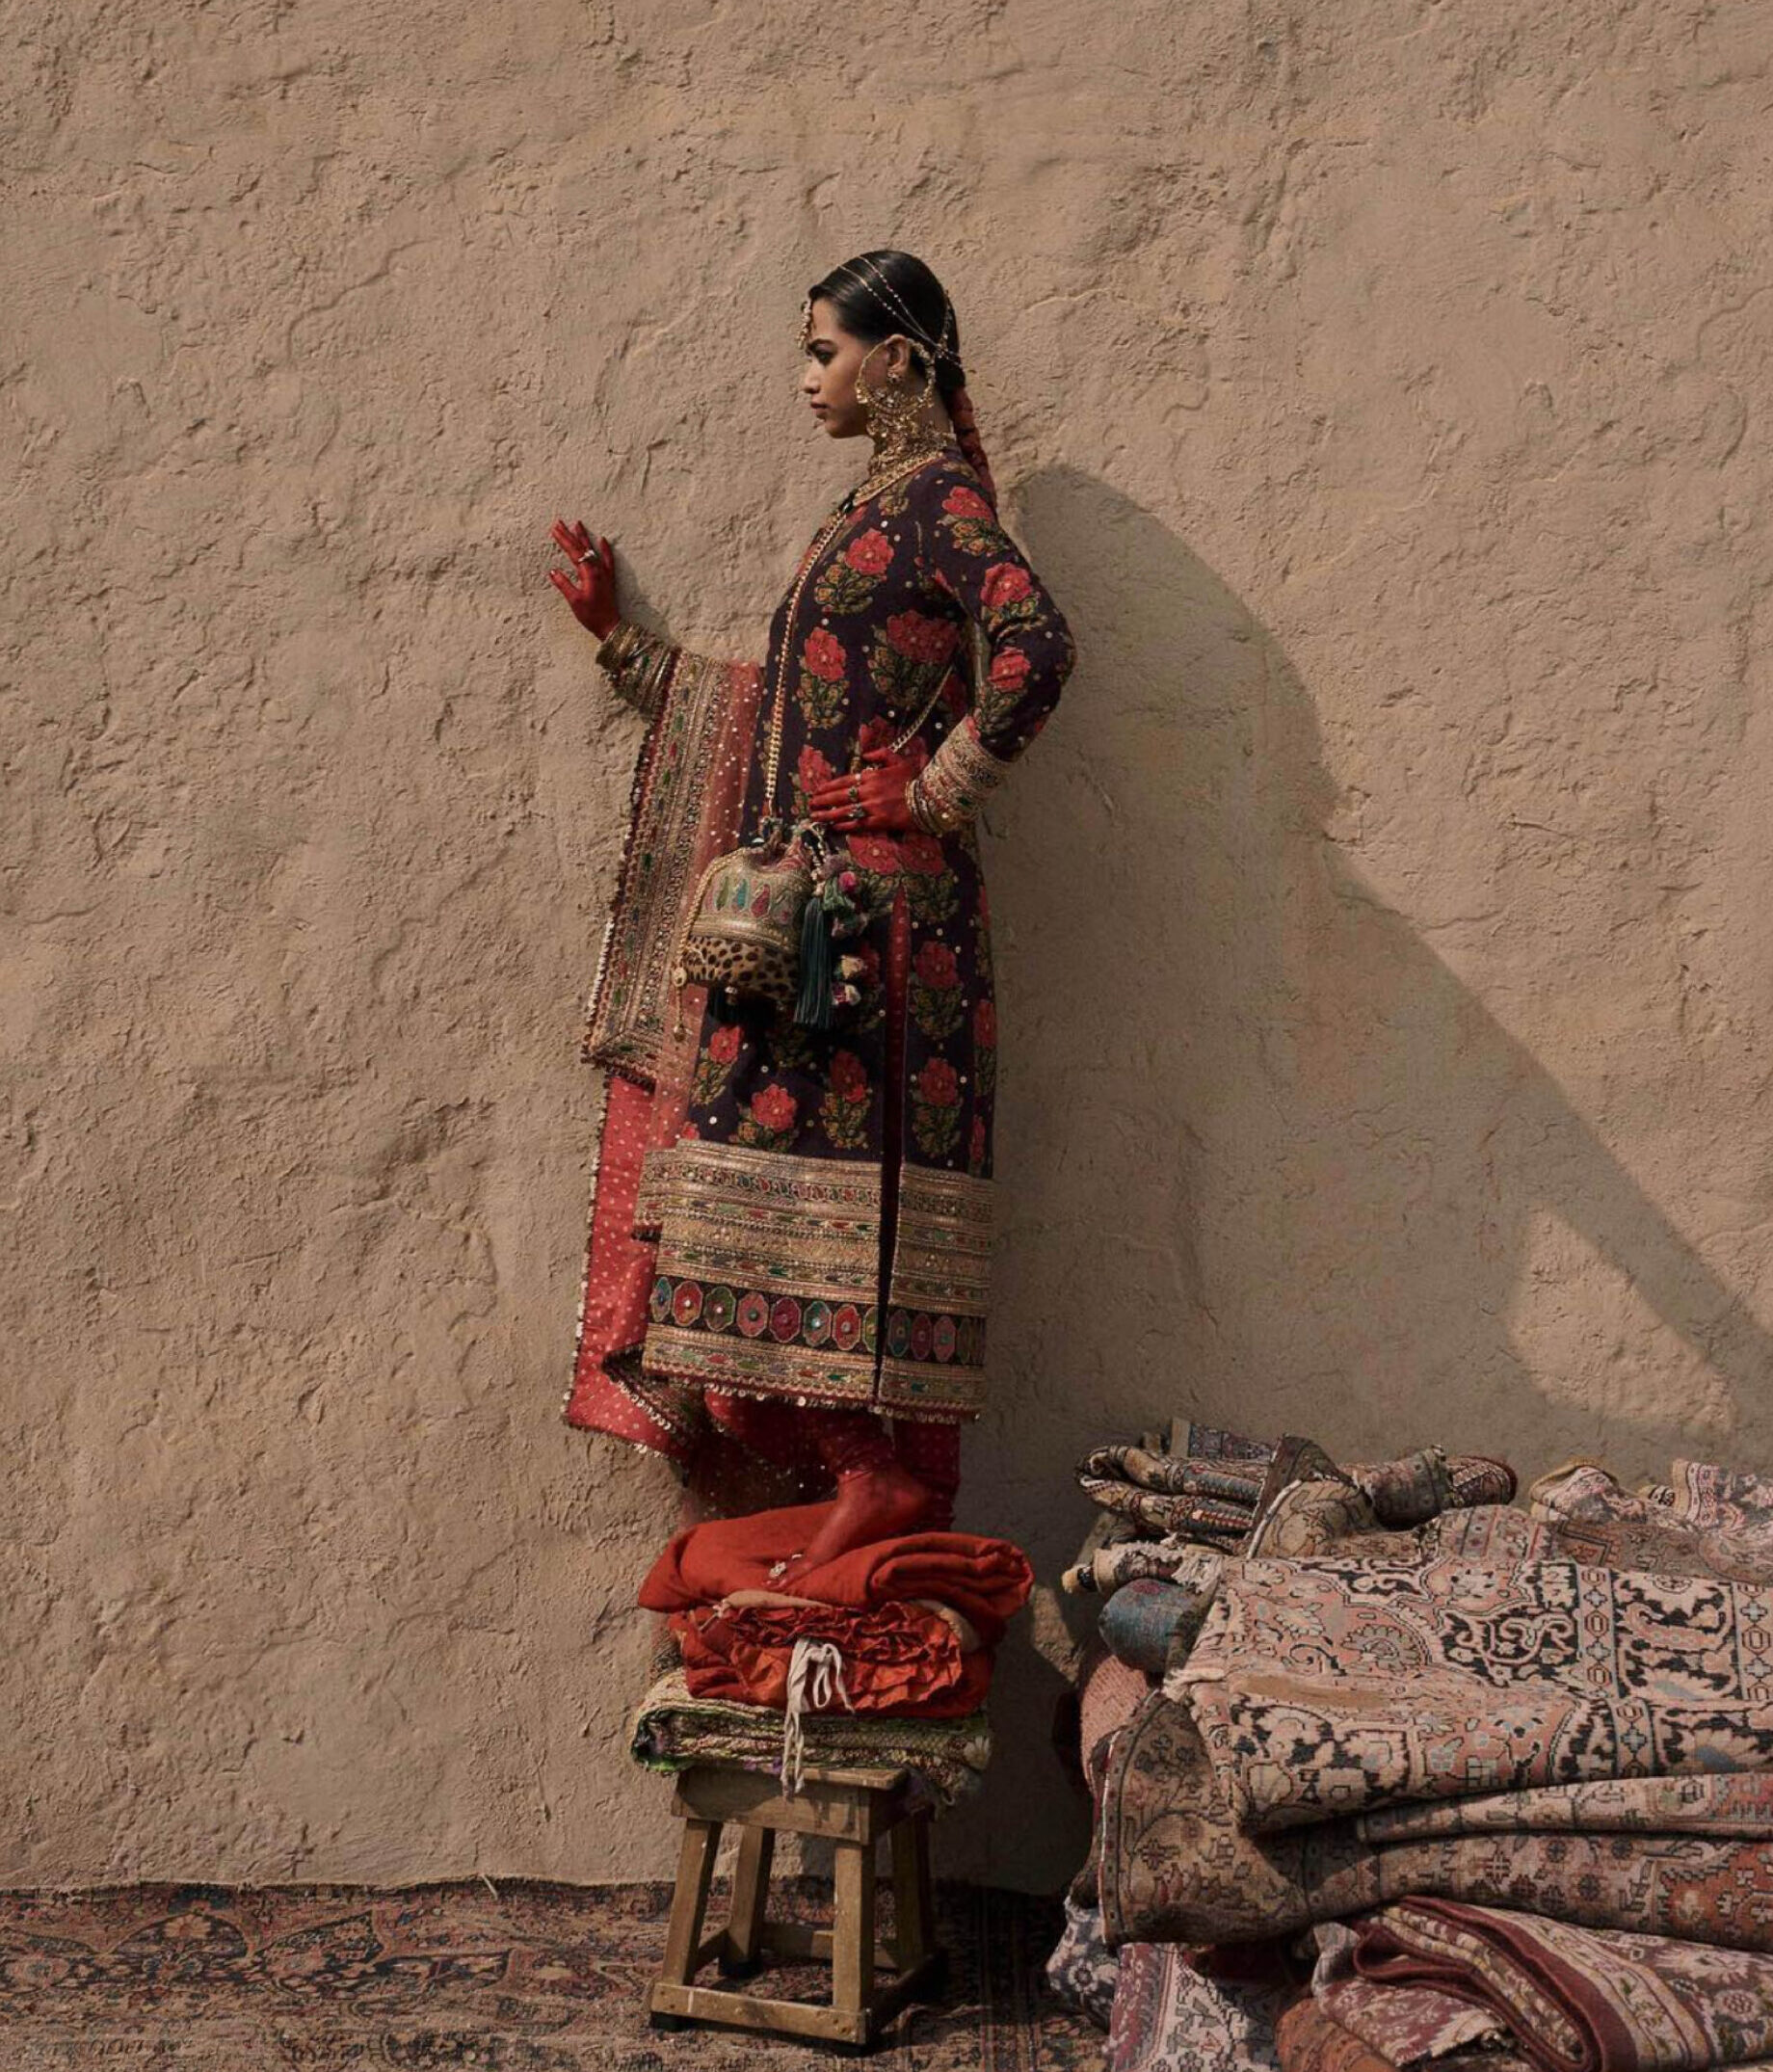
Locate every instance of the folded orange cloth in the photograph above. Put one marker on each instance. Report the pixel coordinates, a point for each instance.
(901, 1658)
(986, 1580)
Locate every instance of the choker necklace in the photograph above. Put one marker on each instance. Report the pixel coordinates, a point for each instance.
(883, 471)
(895, 457)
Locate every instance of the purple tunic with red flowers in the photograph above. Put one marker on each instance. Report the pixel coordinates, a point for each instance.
(824, 1225)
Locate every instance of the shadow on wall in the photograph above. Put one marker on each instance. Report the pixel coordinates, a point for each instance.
(1267, 1160)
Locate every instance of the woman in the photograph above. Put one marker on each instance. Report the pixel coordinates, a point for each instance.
(791, 1227)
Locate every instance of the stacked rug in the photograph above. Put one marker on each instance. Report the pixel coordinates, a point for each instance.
(1478, 1783)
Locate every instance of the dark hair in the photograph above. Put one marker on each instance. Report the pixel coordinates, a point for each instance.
(868, 310)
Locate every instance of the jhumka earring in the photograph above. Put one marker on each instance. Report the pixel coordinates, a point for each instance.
(895, 416)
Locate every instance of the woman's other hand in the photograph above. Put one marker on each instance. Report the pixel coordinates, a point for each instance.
(870, 801)
(591, 588)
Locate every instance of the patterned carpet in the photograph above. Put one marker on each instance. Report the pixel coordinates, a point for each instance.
(524, 1977)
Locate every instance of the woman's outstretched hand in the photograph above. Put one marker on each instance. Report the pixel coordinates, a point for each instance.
(591, 588)
(867, 802)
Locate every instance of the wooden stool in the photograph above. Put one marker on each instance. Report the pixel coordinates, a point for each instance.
(851, 1809)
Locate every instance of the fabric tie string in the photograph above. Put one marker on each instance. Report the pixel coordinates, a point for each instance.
(816, 1671)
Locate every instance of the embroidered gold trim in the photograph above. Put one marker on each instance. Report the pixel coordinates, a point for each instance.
(759, 1367)
(627, 1022)
(940, 1268)
(956, 781)
(767, 1243)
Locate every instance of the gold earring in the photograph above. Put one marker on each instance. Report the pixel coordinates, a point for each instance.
(895, 416)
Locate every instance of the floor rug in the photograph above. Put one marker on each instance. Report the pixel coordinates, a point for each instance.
(513, 1976)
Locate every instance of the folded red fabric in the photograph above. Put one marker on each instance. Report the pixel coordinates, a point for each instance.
(898, 1659)
(986, 1580)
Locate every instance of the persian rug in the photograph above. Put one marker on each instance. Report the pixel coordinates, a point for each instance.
(1171, 2014)
(1308, 2040)
(1417, 1487)
(524, 1977)
(1714, 1532)
(1402, 2025)
(1326, 1687)
(1111, 1566)
(1723, 1500)
(1578, 1999)
(1112, 1692)
(1142, 1624)
(1172, 1864)
(1084, 1972)
(1725, 1805)
(1198, 1498)
(672, 1729)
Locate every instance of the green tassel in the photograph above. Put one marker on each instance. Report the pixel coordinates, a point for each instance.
(813, 1010)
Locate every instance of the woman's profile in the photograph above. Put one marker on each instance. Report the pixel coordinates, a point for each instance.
(792, 1218)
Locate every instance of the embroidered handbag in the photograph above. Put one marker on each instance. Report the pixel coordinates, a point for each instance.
(748, 915)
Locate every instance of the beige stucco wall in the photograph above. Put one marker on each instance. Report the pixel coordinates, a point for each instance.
(1385, 923)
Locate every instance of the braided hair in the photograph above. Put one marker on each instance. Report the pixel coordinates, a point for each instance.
(886, 294)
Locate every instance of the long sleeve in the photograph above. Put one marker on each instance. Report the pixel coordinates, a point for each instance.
(1027, 648)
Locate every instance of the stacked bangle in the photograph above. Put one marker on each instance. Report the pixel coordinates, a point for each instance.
(955, 782)
(637, 663)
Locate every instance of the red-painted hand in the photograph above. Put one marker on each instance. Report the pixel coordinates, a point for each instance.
(591, 588)
(867, 802)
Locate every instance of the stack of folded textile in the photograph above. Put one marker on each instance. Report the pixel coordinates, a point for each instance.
(880, 1657)
(1170, 1511)
(1495, 1786)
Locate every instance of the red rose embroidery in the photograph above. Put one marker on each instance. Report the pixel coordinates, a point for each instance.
(870, 553)
(1005, 584)
(936, 967)
(812, 768)
(937, 1085)
(775, 1107)
(723, 1044)
(985, 1026)
(875, 852)
(849, 1076)
(919, 638)
(922, 854)
(874, 734)
(966, 503)
(823, 654)
(1009, 670)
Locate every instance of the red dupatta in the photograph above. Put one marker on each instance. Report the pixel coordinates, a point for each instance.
(689, 787)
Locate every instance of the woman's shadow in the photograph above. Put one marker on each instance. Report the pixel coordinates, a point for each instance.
(1264, 1160)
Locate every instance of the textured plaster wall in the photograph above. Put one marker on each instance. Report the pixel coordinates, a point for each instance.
(1384, 924)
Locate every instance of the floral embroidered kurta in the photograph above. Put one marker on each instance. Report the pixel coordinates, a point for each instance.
(824, 1225)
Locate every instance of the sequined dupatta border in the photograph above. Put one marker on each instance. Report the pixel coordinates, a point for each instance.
(689, 787)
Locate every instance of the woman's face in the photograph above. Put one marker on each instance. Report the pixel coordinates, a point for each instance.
(833, 357)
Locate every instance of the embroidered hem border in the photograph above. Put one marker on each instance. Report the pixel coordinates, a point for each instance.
(768, 1268)
(934, 1351)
